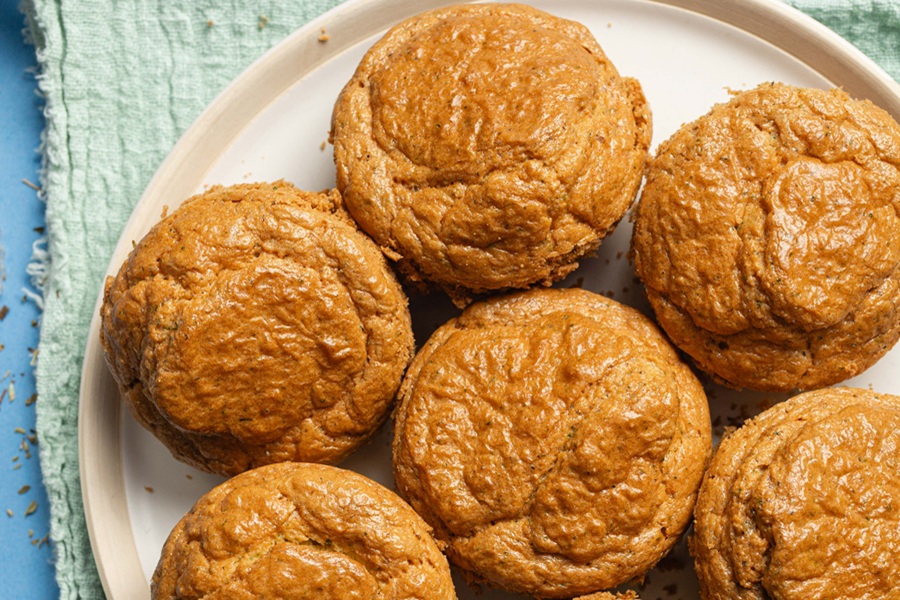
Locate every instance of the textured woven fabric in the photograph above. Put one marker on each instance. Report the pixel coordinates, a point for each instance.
(122, 80)
(873, 26)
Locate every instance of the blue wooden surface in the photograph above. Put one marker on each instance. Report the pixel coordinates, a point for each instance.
(25, 553)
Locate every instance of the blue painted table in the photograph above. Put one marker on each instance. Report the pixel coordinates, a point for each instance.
(25, 553)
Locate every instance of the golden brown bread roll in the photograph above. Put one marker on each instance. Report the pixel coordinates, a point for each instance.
(628, 595)
(554, 441)
(768, 237)
(803, 502)
(256, 324)
(294, 530)
(488, 146)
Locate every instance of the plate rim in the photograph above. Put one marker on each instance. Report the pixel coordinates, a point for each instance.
(101, 464)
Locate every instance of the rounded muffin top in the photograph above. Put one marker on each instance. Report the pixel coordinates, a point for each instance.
(256, 324)
(803, 501)
(553, 439)
(768, 237)
(295, 530)
(489, 146)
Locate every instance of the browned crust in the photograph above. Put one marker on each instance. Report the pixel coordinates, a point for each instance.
(803, 501)
(768, 237)
(481, 169)
(553, 439)
(295, 530)
(255, 324)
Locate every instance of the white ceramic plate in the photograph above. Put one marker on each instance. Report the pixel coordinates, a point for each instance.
(273, 121)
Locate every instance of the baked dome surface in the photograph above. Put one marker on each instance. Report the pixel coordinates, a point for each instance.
(299, 530)
(489, 146)
(802, 501)
(553, 439)
(768, 237)
(256, 324)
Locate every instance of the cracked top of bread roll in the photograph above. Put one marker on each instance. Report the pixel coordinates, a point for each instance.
(553, 439)
(256, 324)
(299, 530)
(803, 501)
(489, 146)
(768, 237)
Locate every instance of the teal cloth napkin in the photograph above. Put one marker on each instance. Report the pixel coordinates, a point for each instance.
(122, 80)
